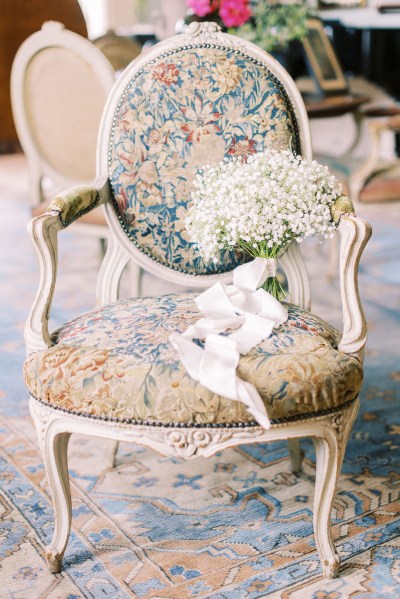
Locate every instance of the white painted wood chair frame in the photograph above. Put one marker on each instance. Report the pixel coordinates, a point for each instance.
(53, 35)
(372, 163)
(329, 430)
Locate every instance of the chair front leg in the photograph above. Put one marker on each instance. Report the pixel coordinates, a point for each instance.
(327, 473)
(55, 457)
(330, 451)
(54, 448)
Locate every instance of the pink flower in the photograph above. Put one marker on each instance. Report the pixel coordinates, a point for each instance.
(200, 7)
(234, 12)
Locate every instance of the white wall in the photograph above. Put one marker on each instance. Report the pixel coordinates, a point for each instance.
(162, 15)
(172, 10)
(96, 15)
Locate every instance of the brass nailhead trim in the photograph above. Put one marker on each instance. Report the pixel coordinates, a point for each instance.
(250, 424)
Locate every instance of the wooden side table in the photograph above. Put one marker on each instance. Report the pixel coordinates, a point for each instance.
(330, 106)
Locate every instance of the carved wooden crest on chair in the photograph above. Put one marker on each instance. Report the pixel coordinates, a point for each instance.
(112, 373)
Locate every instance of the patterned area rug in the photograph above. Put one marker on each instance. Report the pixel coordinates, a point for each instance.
(238, 525)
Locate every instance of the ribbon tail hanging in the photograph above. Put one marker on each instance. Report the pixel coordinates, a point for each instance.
(247, 315)
(215, 369)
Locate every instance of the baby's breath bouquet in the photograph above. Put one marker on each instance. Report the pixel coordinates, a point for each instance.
(260, 205)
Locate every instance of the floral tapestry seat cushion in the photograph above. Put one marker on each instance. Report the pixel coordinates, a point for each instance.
(184, 110)
(116, 362)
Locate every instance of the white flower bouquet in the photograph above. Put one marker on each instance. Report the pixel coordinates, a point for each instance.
(260, 205)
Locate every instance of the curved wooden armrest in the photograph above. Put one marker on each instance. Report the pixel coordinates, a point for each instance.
(63, 210)
(76, 201)
(43, 230)
(343, 205)
(355, 233)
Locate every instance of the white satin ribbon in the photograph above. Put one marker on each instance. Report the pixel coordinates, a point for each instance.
(251, 314)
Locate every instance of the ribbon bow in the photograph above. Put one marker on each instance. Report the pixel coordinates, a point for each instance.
(247, 314)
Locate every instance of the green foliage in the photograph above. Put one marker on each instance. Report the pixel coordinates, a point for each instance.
(274, 25)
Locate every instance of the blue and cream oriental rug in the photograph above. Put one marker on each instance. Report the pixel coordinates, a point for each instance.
(238, 525)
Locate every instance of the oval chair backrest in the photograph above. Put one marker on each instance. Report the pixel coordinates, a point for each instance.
(60, 83)
(187, 102)
(120, 51)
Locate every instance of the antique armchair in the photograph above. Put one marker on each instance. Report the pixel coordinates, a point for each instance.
(111, 372)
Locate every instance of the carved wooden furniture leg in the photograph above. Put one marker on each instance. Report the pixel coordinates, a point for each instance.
(54, 447)
(103, 247)
(329, 456)
(56, 466)
(114, 454)
(296, 455)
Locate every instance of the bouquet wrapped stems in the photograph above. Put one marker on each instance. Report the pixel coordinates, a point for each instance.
(261, 250)
(274, 287)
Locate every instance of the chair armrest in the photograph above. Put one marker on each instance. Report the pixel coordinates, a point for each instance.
(355, 233)
(343, 205)
(76, 201)
(63, 210)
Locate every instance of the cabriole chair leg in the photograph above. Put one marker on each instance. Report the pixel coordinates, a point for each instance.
(329, 452)
(56, 465)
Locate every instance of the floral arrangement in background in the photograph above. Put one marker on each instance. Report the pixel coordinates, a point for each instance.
(271, 24)
(260, 205)
(233, 13)
(275, 23)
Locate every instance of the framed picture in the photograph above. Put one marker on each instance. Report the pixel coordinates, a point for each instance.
(342, 3)
(322, 60)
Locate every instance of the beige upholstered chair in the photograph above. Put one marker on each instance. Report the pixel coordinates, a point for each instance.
(120, 51)
(59, 85)
(111, 372)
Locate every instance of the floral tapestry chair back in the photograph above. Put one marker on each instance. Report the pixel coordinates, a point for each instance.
(193, 100)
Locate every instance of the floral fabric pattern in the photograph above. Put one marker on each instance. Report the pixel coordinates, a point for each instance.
(181, 112)
(116, 361)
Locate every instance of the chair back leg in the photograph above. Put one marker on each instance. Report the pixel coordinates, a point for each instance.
(296, 455)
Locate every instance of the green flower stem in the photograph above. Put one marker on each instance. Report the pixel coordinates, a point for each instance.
(273, 286)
